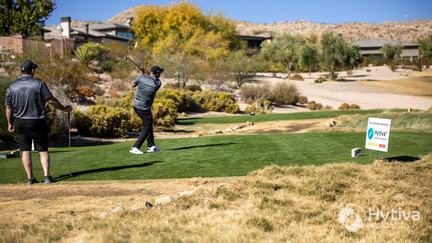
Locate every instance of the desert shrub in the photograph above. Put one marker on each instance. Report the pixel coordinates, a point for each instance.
(216, 101)
(4, 84)
(85, 91)
(261, 106)
(251, 93)
(103, 121)
(327, 107)
(107, 65)
(93, 78)
(313, 105)
(193, 87)
(320, 80)
(303, 99)
(297, 77)
(91, 51)
(64, 73)
(164, 113)
(344, 107)
(181, 98)
(430, 108)
(285, 94)
(354, 107)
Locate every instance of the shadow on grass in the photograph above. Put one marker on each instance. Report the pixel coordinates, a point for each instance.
(202, 146)
(403, 158)
(105, 169)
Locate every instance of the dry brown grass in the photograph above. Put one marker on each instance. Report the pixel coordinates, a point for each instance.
(419, 83)
(275, 204)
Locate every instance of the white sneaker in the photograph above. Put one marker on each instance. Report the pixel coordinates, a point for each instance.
(135, 151)
(153, 149)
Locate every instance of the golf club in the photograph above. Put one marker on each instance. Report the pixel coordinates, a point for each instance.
(126, 58)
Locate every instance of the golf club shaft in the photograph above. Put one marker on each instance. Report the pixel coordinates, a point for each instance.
(137, 65)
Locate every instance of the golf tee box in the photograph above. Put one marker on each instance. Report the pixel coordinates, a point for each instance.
(11, 155)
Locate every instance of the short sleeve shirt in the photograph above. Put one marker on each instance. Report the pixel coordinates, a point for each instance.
(147, 87)
(27, 97)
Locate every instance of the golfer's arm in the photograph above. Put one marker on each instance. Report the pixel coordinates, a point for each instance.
(9, 112)
(56, 104)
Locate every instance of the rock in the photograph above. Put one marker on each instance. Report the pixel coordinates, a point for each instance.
(249, 123)
(331, 123)
(103, 215)
(184, 114)
(148, 205)
(356, 152)
(117, 209)
(229, 130)
(164, 200)
(187, 193)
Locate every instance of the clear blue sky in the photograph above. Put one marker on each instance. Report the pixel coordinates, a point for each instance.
(264, 11)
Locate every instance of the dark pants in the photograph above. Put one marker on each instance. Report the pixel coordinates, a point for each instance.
(147, 128)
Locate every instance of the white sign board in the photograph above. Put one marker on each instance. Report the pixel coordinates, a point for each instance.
(378, 134)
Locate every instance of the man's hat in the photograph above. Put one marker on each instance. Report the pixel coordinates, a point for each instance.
(27, 66)
(156, 69)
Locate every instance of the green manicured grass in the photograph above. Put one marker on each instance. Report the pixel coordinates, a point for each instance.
(273, 117)
(213, 156)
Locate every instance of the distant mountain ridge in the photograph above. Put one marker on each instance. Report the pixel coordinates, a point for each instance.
(400, 31)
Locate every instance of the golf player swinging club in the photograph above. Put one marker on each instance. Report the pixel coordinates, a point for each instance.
(147, 85)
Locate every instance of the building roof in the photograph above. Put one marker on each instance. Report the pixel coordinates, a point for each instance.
(108, 26)
(381, 43)
(262, 36)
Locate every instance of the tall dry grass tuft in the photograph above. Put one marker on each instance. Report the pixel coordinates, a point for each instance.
(274, 204)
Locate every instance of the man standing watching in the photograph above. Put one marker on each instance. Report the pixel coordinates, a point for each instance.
(25, 102)
(147, 86)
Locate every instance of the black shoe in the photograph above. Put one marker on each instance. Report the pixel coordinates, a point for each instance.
(49, 180)
(32, 181)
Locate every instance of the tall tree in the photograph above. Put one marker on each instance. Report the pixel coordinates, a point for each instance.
(25, 17)
(309, 57)
(284, 49)
(183, 28)
(240, 67)
(333, 53)
(353, 57)
(390, 53)
(426, 48)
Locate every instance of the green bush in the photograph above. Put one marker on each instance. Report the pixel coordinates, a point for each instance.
(91, 51)
(216, 101)
(107, 65)
(103, 121)
(261, 106)
(4, 84)
(182, 99)
(285, 94)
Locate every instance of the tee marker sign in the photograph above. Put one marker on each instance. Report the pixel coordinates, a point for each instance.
(378, 134)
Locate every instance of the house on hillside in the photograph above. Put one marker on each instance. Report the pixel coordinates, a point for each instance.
(254, 41)
(373, 48)
(103, 33)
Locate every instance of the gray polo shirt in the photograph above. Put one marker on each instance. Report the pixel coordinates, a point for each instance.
(27, 97)
(147, 87)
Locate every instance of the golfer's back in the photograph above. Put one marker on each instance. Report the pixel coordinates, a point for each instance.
(27, 97)
(146, 90)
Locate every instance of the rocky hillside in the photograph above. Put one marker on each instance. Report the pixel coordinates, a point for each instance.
(402, 31)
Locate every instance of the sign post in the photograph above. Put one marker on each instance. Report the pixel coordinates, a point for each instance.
(378, 134)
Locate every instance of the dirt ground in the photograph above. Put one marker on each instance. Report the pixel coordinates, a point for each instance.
(358, 88)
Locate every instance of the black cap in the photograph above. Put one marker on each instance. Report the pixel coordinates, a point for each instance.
(27, 66)
(156, 69)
